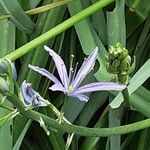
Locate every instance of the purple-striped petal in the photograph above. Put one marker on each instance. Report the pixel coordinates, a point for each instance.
(61, 68)
(58, 87)
(86, 67)
(44, 72)
(81, 97)
(31, 97)
(100, 86)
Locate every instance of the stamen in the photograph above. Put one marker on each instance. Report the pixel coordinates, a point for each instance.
(75, 70)
(63, 74)
(71, 68)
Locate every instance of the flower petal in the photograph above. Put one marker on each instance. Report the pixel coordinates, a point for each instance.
(81, 97)
(57, 87)
(31, 97)
(44, 72)
(61, 68)
(85, 69)
(100, 86)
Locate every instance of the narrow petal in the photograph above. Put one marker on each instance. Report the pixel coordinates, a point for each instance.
(85, 69)
(44, 72)
(81, 97)
(100, 86)
(61, 68)
(57, 87)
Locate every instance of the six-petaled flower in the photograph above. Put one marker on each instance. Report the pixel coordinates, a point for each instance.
(71, 84)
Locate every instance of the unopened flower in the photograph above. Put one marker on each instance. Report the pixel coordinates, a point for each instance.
(7, 67)
(30, 96)
(71, 84)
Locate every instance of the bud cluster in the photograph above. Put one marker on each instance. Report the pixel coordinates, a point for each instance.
(119, 63)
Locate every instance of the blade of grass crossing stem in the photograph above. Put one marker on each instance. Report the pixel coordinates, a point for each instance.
(116, 33)
(7, 44)
(18, 15)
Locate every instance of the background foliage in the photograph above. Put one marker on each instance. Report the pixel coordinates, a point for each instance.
(127, 22)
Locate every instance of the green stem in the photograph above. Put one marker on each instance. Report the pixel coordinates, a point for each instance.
(58, 29)
(47, 7)
(125, 94)
(83, 131)
(40, 9)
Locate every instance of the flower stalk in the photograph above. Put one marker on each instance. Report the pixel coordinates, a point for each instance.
(83, 131)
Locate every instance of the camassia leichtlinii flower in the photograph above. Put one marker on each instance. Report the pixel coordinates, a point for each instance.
(70, 83)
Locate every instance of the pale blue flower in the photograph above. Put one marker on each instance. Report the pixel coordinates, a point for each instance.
(71, 84)
(30, 96)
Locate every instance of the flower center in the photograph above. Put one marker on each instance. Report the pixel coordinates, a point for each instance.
(70, 89)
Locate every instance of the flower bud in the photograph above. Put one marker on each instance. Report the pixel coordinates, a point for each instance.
(4, 87)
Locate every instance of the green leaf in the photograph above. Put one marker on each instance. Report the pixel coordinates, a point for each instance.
(18, 15)
(116, 24)
(7, 44)
(7, 34)
(21, 136)
(142, 8)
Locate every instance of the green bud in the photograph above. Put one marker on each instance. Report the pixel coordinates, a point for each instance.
(124, 66)
(119, 62)
(123, 78)
(111, 56)
(116, 63)
(4, 87)
(111, 69)
(7, 67)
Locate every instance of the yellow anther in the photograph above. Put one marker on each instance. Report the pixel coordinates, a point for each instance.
(70, 89)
